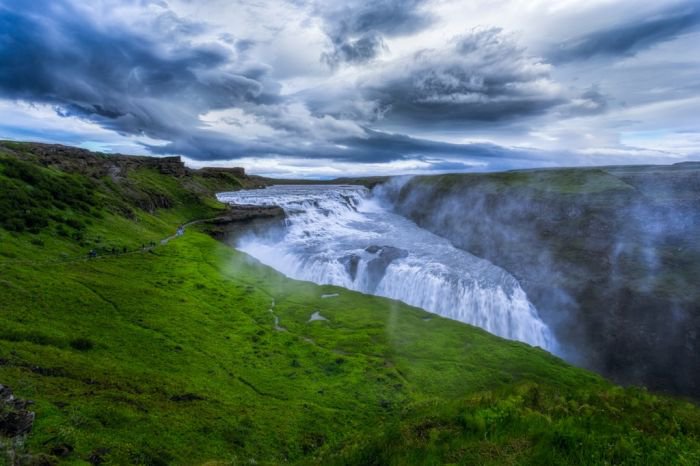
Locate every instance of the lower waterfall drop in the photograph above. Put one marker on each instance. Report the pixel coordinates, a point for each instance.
(341, 235)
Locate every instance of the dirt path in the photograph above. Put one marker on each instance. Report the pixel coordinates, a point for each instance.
(181, 229)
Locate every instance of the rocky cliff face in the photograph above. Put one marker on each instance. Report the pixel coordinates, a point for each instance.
(609, 257)
(122, 173)
(94, 164)
(16, 421)
(216, 172)
(241, 219)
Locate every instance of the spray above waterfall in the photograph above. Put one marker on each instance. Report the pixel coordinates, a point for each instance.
(342, 235)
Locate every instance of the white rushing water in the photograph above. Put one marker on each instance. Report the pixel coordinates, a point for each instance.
(341, 235)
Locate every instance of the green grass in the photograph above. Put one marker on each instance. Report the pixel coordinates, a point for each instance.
(553, 181)
(172, 357)
(32, 197)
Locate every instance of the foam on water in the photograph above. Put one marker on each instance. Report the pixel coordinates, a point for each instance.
(341, 235)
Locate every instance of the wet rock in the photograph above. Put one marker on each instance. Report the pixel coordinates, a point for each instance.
(387, 253)
(376, 268)
(243, 213)
(240, 220)
(351, 263)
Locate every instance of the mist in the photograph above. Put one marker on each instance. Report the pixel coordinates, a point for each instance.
(604, 255)
(344, 236)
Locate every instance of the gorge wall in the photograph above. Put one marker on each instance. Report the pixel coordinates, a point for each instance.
(610, 257)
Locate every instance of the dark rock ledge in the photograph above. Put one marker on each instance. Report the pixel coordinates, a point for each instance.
(16, 422)
(244, 218)
(15, 418)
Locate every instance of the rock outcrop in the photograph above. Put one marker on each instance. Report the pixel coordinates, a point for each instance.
(380, 259)
(376, 267)
(16, 421)
(95, 164)
(215, 172)
(351, 263)
(240, 219)
(15, 418)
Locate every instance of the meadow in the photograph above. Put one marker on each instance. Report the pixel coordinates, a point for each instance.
(191, 352)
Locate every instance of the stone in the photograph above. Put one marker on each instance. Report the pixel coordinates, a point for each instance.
(15, 419)
(351, 263)
(376, 268)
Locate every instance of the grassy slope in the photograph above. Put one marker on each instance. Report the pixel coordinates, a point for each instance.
(184, 364)
(554, 181)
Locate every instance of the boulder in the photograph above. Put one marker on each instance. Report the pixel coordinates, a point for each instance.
(15, 419)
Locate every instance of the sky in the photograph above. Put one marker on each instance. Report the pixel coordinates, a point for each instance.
(319, 88)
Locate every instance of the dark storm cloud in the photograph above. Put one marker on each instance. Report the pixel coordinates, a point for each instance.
(357, 28)
(151, 82)
(382, 147)
(631, 37)
(200, 92)
(157, 81)
(372, 146)
(355, 51)
(483, 76)
(590, 102)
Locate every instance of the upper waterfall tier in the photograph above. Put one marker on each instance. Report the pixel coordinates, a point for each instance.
(341, 235)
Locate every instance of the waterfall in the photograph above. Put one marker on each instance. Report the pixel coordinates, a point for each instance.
(341, 235)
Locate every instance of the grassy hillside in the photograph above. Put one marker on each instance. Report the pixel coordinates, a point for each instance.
(192, 353)
(554, 181)
(367, 181)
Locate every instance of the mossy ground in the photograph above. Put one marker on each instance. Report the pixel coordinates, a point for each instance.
(172, 356)
(541, 183)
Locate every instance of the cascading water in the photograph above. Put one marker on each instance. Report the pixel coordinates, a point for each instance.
(341, 235)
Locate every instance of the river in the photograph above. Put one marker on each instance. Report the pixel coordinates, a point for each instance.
(346, 236)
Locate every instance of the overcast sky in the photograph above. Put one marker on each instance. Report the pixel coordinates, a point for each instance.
(318, 88)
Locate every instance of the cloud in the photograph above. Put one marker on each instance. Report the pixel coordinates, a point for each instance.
(359, 50)
(591, 102)
(209, 102)
(357, 28)
(632, 36)
(369, 147)
(152, 79)
(222, 81)
(482, 76)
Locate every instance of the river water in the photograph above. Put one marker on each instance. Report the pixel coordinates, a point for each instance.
(345, 236)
